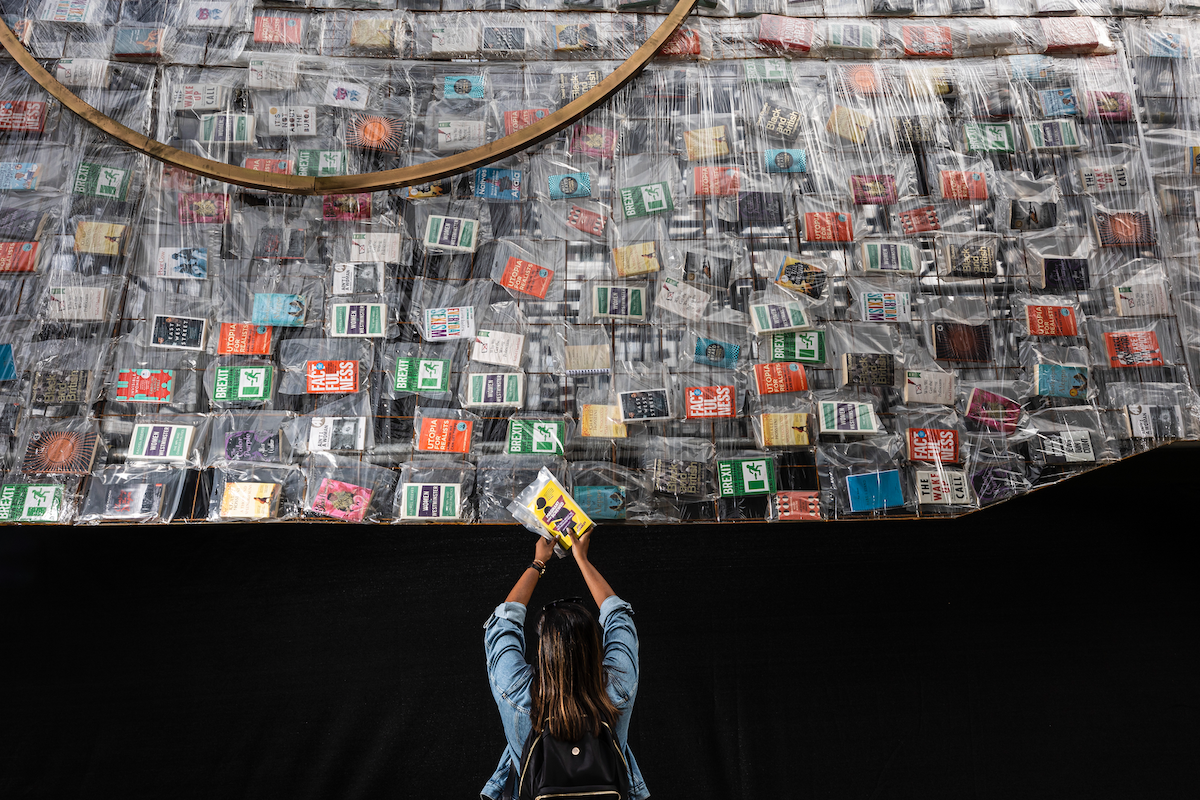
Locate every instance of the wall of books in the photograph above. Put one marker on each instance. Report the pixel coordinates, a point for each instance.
(822, 260)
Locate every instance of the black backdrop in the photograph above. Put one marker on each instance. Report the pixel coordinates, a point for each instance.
(1045, 648)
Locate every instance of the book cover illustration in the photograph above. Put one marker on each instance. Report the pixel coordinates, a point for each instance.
(1051, 320)
(523, 118)
(993, 411)
(963, 185)
(100, 238)
(679, 477)
(602, 502)
(745, 477)
(559, 514)
(277, 309)
(942, 487)
(8, 364)
(959, 341)
(1133, 349)
(781, 377)
(644, 405)
(52, 387)
(337, 434)
(1124, 228)
(766, 318)
(320, 163)
(873, 189)
(603, 422)
(785, 161)
(616, 301)
(709, 402)
(374, 132)
(569, 185)
(636, 259)
(278, 30)
(499, 184)
(364, 320)
(346, 207)
(182, 262)
(849, 124)
(928, 386)
(460, 134)
(358, 278)
(682, 298)
(231, 383)
(1110, 178)
(77, 303)
(155, 442)
(243, 338)
(526, 277)
(345, 94)
(767, 70)
(247, 500)
(937, 445)
(971, 260)
(644, 200)
(253, 445)
(444, 435)
(145, 385)
(374, 34)
(422, 374)
(919, 220)
(452, 322)
(989, 137)
(714, 353)
(800, 276)
(452, 233)
(430, 500)
(785, 430)
(1064, 274)
(30, 502)
(806, 347)
(587, 221)
(705, 143)
(1141, 300)
(1024, 215)
(19, 176)
(203, 208)
(874, 491)
(498, 347)
(133, 500)
(1052, 135)
(60, 453)
(895, 257)
(331, 377)
(495, 389)
(23, 116)
(837, 416)
(535, 436)
(798, 505)
(231, 129)
(868, 369)
(342, 500)
(587, 359)
(1154, 422)
(588, 140)
(1067, 447)
(885, 307)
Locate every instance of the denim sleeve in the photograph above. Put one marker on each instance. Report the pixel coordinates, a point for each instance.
(508, 673)
(620, 649)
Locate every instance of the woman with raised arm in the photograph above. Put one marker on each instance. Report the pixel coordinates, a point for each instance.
(584, 674)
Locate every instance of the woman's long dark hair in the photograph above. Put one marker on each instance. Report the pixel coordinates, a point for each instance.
(570, 694)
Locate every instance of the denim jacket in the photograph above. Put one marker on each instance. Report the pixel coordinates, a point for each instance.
(510, 676)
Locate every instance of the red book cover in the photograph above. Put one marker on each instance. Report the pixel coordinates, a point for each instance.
(716, 181)
(1133, 349)
(683, 42)
(244, 339)
(347, 207)
(202, 208)
(281, 167)
(787, 33)
(706, 402)
(780, 377)
(516, 120)
(18, 256)
(22, 115)
(1069, 35)
(928, 41)
(1051, 321)
(939, 445)
(799, 505)
(827, 226)
(963, 185)
(526, 277)
(329, 377)
(277, 30)
(445, 435)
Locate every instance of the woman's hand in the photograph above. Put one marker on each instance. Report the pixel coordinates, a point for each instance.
(543, 550)
(580, 547)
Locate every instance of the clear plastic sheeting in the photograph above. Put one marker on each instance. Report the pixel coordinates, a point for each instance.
(875, 258)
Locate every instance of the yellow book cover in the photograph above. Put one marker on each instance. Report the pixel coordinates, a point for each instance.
(249, 500)
(104, 238)
(636, 259)
(849, 124)
(706, 143)
(601, 422)
(785, 430)
(559, 514)
(373, 33)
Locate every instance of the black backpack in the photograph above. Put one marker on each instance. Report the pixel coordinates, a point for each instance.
(593, 767)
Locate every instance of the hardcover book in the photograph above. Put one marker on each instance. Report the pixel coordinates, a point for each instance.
(246, 500)
(253, 445)
(644, 405)
(54, 387)
(490, 390)
(970, 260)
(337, 434)
(885, 307)
(453, 322)
(498, 347)
(709, 402)
(133, 500)
(785, 430)
(357, 278)
(232, 383)
(636, 259)
(644, 200)
(535, 436)
(800, 276)
(767, 318)
(894, 257)
(745, 477)
(422, 374)
(145, 385)
(705, 143)
(430, 500)
(806, 347)
(679, 477)
(1153, 422)
(958, 341)
(942, 487)
(587, 221)
(618, 301)
(189, 263)
(526, 277)
(868, 369)
(874, 491)
(928, 386)
(100, 238)
(1141, 300)
(451, 233)
(1124, 229)
(601, 502)
(30, 502)
(1051, 320)
(60, 453)
(603, 422)
(444, 435)
(1066, 447)
(780, 377)
(836, 416)
(161, 442)
(1133, 349)
(18, 256)
(827, 226)
(989, 137)
(243, 338)
(342, 500)
(798, 505)
(360, 320)
(374, 132)
(993, 411)
(331, 377)
(277, 309)
(1063, 274)
(938, 445)
(963, 185)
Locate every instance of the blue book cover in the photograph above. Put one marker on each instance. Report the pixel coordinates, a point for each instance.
(875, 490)
(786, 161)
(601, 502)
(498, 184)
(284, 310)
(570, 184)
(8, 366)
(1058, 102)
(714, 353)
(463, 86)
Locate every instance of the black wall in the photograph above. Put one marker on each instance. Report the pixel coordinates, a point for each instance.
(1045, 648)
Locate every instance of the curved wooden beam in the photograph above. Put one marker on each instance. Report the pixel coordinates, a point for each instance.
(369, 181)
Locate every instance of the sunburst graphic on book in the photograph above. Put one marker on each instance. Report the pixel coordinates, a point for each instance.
(60, 453)
(375, 133)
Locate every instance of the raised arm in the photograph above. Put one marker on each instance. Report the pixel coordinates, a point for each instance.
(523, 589)
(596, 584)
